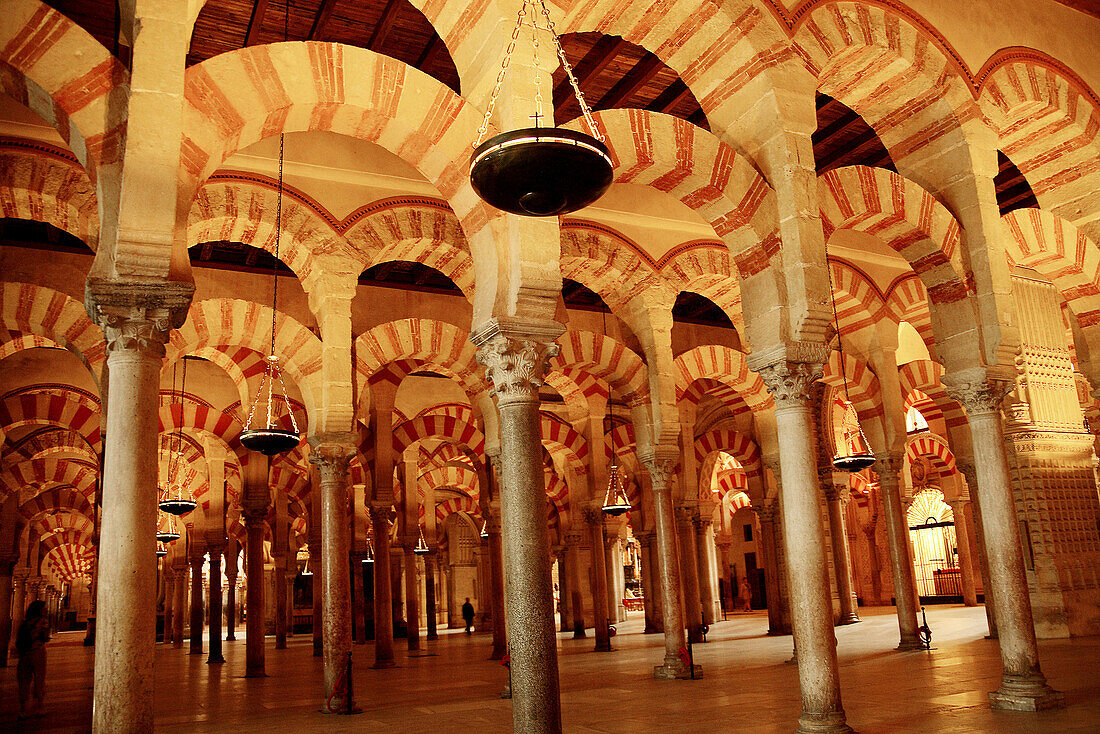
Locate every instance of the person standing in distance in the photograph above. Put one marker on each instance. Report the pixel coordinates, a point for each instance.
(468, 615)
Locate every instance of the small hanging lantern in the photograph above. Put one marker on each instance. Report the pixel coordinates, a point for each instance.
(540, 171)
(263, 432)
(162, 551)
(484, 529)
(421, 548)
(369, 557)
(615, 502)
(855, 455)
(166, 531)
(175, 498)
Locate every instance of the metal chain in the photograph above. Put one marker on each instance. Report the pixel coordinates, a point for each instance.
(537, 66)
(585, 110)
(500, 75)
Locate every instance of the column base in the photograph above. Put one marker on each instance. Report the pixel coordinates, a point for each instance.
(384, 665)
(578, 633)
(831, 723)
(89, 636)
(651, 630)
(675, 671)
(255, 674)
(851, 618)
(430, 636)
(909, 646)
(230, 638)
(341, 710)
(1019, 693)
(215, 661)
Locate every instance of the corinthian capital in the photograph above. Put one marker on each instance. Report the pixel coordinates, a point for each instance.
(330, 458)
(515, 367)
(790, 382)
(137, 317)
(976, 392)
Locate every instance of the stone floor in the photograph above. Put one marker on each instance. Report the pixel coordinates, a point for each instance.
(748, 686)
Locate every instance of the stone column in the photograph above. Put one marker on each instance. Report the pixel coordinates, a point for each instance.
(181, 571)
(254, 593)
(837, 497)
(279, 580)
(291, 574)
(970, 473)
(563, 590)
(169, 600)
(215, 604)
(331, 459)
(1023, 685)
(594, 518)
(804, 541)
(358, 606)
(496, 588)
(706, 588)
(7, 566)
(18, 599)
(231, 601)
(429, 594)
(195, 621)
(612, 564)
(659, 463)
(515, 360)
(412, 596)
(888, 467)
(689, 567)
(649, 590)
(959, 508)
(383, 597)
(136, 320)
(572, 569)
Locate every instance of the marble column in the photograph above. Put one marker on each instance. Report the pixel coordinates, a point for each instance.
(706, 586)
(594, 519)
(7, 565)
(169, 600)
(279, 579)
(888, 467)
(254, 593)
(572, 540)
(18, 599)
(135, 320)
(515, 364)
(1023, 685)
(231, 600)
(358, 605)
(215, 604)
(970, 473)
(332, 459)
(613, 566)
(564, 620)
(649, 591)
(959, 509)
(180, 602)
(291, 574)
(383, 598)
(689, 567)
(496, 589)
(837, 498)
(804, 541)
(660, 464)
(429, 595)
(412, 596)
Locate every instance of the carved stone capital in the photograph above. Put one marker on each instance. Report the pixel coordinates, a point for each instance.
(380, 512)
(137, 317)
(790, 382)
(977, 393)
(701, 522)
(515, 366)
(254, 513)
(766, 511)
(592, 516)
(660, 465)
(330, 458)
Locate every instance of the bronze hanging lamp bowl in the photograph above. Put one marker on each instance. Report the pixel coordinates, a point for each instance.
(615, 502)
(267, 437)
(161, 550)
(541, 171)
(269, 441)
(167, 536)
(177, 506)
(176, 499)
(421, 548)
(853, 462)
(855, 455)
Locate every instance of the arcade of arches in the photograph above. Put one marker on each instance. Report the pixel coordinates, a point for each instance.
(465, 379)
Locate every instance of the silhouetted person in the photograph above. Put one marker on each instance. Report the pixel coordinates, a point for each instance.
(30, 645)
(746, 595)
(468, 615)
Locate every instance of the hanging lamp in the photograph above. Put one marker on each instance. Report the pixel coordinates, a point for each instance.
(177, 499)
(369, 557)
(484, 529)
(615, 502)
(264, 432)
(540, 171)
(162, 551)
(421, 548)
(855, 455)
(166, 531)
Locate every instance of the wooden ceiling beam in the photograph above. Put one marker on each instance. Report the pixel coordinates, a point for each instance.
(673, 95)
(601, 54)
(259, 10)
(429, 51)
(324, 13)
(846, 149)
(642, 74)
(385, 24)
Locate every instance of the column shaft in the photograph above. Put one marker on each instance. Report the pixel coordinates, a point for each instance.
(668, 571)
(412, 599)
(181, 601)
(897, 531)
(254, 595)
(706, 588)
(231, 605)
(689, 567)
(599, 580)
(496, 589)
(383, 598)
(280, 603)
(960, 508)
(576, 605)
(332, 463)
(5, 615)
(215, 603)
(836, 497)
(429, 595)
(169, 601)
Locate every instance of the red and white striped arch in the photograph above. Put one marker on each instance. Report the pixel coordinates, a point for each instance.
(859, 304)
(559, 434)
(608, 263)
(70, 560)
(1058, 250)
(1048, 121)
(862, 384)
(925, 376)
(932, 446)
(904, 216)
(440, 427)
(907, 300)
(59, 497)
(725, 365)
(71, 410)
(445, 347)
(607, 359)
(453, 505)
(736, 444)
(706, 268)
(48, 185)
(34, 309)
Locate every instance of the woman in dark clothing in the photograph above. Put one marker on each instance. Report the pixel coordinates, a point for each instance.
(30, 645)
(468, 615)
